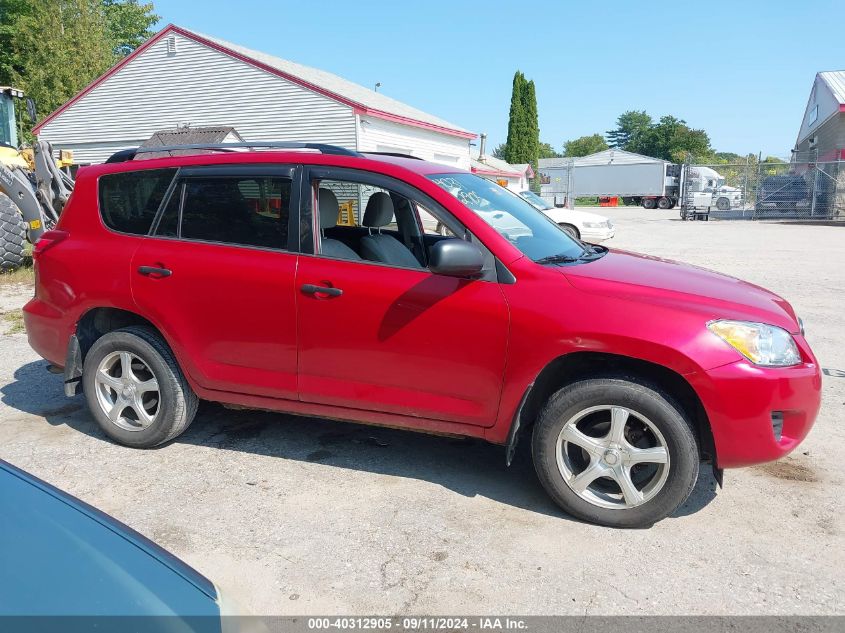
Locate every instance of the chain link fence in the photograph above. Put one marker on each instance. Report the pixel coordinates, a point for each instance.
(807, 190)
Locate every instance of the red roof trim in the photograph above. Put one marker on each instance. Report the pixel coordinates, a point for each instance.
(842, 107)
(171, 28)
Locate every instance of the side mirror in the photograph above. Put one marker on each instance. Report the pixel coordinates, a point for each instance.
(30, 109)
(456, 258)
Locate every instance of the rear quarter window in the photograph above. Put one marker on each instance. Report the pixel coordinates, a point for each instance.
(129, 201)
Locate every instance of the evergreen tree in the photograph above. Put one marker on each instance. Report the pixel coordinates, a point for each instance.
(516, 143)
(532, 130)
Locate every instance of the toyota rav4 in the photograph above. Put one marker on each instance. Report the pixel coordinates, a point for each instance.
(304, 279)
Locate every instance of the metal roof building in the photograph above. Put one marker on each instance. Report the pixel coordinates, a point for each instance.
(822, 133)
(182, 78)
(605, 157)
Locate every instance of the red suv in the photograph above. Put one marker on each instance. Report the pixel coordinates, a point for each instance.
(313, 280)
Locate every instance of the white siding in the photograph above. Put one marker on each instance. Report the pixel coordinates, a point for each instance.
(378, 135)
(822, 104)
(200, 86)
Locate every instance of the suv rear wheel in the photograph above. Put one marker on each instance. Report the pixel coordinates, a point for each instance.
(136, 390)
(616, 452)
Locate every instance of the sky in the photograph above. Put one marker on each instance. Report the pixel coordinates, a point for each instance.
(740, 70)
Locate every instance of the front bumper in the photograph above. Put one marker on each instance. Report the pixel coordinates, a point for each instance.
(597, 235)
(759, 414)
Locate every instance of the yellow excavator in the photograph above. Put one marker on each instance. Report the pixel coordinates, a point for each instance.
(33, 187)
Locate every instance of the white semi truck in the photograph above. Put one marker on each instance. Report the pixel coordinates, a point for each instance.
(637, 179)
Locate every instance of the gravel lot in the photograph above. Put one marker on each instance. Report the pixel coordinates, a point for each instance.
(301, 516)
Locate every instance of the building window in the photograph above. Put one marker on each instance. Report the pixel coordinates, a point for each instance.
(813, 116)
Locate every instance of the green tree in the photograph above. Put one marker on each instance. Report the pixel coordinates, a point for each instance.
(128, 24)
(547, 151)
(499, 151)
(584, 146)
(523, 142)
(532, 116)
(671, 139)
(52, 49)
(516, 146)
(628, 126)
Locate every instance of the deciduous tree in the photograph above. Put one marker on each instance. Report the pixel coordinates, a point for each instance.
(52, 49)
(584, 146)
(628, 126)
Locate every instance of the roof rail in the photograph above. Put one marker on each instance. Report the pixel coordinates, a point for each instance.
(396, 154)
(323, 148)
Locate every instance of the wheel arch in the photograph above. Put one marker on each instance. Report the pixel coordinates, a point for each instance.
(564, 225)
(569, 368)
(98, 321)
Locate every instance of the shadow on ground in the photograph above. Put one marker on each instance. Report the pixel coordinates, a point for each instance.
(466, 466)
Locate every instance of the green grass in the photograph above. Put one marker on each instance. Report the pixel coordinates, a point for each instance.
(14, 321)
(23, 275)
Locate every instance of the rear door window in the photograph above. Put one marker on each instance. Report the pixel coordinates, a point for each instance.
(129, 201)
(243, 210)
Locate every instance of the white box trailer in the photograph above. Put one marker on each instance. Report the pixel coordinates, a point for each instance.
(635, 178)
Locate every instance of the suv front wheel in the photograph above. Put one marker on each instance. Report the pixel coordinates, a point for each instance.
(615, 452)
(136, 390)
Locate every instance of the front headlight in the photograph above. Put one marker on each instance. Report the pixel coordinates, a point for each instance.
(762, 344)
(595, 225)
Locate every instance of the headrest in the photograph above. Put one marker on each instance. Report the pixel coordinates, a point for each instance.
(329, 208)
(379, 210)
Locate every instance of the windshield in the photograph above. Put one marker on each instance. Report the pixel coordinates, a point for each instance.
(8, 131)
(515, 219)
(535, 200)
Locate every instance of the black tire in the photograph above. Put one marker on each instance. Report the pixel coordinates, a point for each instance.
(646, 400)
(573, 231)
(649, 203)
(177, 404)
(723, 204)
(12, 235)
(664, 203)
(673, 204)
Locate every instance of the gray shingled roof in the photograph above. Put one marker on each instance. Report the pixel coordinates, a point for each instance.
(835, 80)
(334, 84)
(189, 136)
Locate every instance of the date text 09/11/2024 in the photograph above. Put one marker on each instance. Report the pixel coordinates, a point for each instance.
(418, 623)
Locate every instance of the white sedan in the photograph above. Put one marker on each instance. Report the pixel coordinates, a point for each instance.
(582, 225)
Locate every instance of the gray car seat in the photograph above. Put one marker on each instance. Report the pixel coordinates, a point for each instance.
(329, 209)
(378, 247)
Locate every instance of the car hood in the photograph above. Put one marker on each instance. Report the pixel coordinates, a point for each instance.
(571, 215)
(661, 281)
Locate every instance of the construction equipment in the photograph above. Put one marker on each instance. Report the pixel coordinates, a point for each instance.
(33, 189)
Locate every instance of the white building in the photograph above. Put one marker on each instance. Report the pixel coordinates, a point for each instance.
(513, 177)
(822, 133)
(179, 77)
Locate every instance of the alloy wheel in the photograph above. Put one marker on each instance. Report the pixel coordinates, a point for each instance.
(612, 457)
(127, 391)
